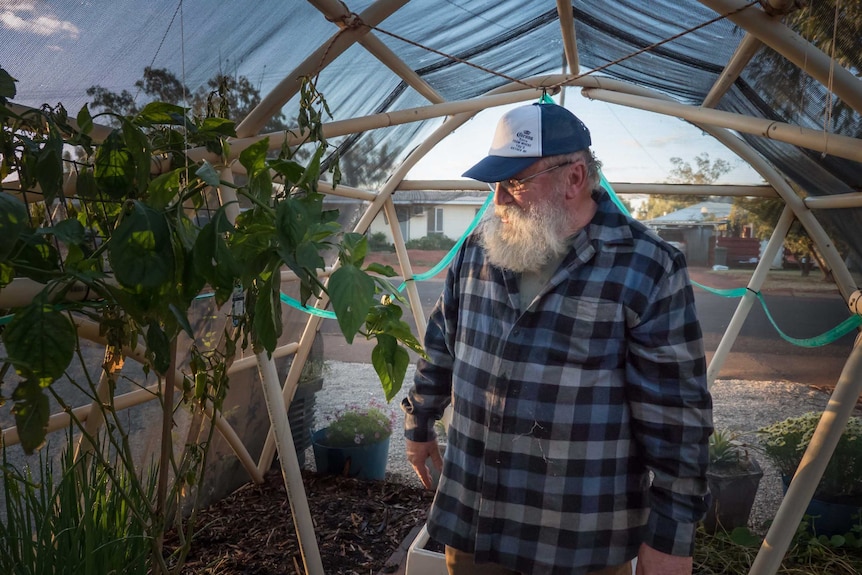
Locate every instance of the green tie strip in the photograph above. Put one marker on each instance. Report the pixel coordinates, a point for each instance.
(830, 336)
(825, 338)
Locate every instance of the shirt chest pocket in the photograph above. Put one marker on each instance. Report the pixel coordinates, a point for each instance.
(592, 331)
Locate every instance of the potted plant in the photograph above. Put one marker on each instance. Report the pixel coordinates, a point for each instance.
(356, 442)
(733, 477)
(837, 502)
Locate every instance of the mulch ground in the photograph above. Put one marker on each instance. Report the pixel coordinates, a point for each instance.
(359, 525)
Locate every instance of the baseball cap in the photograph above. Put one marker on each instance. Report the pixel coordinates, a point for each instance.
(525, 135)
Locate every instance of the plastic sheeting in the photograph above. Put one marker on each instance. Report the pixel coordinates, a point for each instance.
(57, 50)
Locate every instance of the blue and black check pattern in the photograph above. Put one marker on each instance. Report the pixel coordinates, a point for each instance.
(561, 412)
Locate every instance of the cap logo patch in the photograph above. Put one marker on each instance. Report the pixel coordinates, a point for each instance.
(522, 141)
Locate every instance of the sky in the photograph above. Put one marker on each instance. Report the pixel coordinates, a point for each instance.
(634, 145)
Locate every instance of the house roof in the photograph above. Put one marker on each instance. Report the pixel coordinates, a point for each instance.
(412, 197)
(702, 213)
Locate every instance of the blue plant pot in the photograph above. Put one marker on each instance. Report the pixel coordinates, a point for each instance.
(360, 461)
(827, 517)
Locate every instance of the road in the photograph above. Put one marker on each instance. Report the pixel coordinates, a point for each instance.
(759, 353)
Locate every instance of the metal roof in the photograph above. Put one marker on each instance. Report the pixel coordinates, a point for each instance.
(701, 213)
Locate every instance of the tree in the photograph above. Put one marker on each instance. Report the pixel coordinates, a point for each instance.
(222, 97)
(705, 171)
(366, 165)
(762, 215)
(834, 27)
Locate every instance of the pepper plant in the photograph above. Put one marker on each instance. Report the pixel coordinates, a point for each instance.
(130, 242)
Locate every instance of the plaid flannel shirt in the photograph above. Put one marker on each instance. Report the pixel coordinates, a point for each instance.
(560, 412)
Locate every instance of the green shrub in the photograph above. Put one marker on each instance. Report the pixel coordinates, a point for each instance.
(785, 442)
(360, 425)
(377, 243)
(431, 242)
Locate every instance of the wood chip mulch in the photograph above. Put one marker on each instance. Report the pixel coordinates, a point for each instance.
(359, 524)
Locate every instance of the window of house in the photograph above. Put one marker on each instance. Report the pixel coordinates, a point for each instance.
(435, 220)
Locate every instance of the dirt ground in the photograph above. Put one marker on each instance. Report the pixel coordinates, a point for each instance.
(359, 525)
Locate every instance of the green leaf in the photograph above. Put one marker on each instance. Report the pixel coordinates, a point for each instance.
(49, 168)
(208, 174)
(7, 86)
(7, 274)
(41, 258)
(160, 113)
(140, 251)
(352, 293)
(160, 347)
(390, 362)
(31, 412)
(354, 248)
(13, 222)
(267, 314)
(742, 536)
(218, 127)
(164, 188)
(85, 120)
(253, 159)
(85, 184)
(70, 232)
(309, 258)
(311, 175)
(182, 320)
(291, 222)
(213, 259)
(40, 342)
(292, 171)
(382, 269)
(139, 146)
(114, 169)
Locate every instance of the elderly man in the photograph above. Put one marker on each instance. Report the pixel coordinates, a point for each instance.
(567, 342)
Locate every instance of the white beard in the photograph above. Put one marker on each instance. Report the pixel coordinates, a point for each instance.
(528, 240)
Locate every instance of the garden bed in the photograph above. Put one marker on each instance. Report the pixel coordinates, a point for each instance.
(359, 525)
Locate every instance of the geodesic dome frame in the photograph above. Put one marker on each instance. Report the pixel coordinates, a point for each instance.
(405, 74)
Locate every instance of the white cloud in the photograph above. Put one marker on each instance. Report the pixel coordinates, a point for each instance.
(40, 25)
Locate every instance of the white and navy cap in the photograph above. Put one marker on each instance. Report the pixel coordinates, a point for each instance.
(527, 134)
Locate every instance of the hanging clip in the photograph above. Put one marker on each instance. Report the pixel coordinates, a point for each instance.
(854, 302)
(545, 99)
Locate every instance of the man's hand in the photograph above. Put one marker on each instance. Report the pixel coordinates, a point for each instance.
(652, 562)
(418, 453)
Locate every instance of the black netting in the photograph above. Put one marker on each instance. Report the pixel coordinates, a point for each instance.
(77, 47)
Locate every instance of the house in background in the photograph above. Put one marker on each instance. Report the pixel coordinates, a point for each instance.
(701, 232)
(428, 213)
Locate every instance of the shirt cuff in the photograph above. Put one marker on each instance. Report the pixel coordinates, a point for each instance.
(417, 427)
(669, 536)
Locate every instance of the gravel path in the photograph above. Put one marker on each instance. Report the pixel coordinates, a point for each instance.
(739, 405)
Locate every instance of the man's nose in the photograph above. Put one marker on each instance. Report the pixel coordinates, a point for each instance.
(502, 196)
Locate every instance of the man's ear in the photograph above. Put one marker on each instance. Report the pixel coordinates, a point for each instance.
(577, 179)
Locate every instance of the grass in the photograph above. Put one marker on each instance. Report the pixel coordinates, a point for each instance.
(87, 520)
(733, 553)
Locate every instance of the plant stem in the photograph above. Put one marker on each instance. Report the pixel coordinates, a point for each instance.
(165, 458)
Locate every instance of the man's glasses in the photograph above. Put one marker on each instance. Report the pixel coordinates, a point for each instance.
(517, 186)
